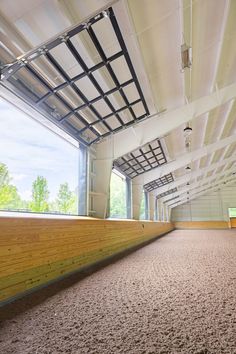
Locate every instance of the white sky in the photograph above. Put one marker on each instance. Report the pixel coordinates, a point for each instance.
(30, 150)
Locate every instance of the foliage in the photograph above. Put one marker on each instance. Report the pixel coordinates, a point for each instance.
(9, 197)
(142, 208)
(117, 197)
(232, 212)
(66, 199)
(40, 195)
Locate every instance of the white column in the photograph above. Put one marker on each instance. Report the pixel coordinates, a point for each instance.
(137, 192)
(103, 169)
(152, 206)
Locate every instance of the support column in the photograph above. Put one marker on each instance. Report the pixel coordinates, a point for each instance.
(137, 191)
(103, 170)
(83, 181)
(152, 206)
(147, 206)
(159, 210)
(129, 198)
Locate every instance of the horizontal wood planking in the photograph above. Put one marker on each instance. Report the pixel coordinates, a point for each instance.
(233, 222)
(36, 251)
(201, 225)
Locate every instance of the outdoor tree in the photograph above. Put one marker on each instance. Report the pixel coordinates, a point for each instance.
(40, 195)
(9, 197)
(66, 199)
(117, 197)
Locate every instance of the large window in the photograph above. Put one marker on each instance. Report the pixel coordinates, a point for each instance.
(118, 195)
(144, 207)
(232, 212)
(38, 169)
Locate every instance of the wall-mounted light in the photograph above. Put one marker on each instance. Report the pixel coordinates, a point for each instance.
(186, 55)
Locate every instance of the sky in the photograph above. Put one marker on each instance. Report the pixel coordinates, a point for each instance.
(30, 150)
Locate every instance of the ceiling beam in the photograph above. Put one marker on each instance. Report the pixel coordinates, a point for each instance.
(200, 183)
(158, 126)
(202, 191)
(190, 176)
(182, 161)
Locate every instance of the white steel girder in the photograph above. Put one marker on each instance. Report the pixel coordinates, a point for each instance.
(188, 177)
(158, 126)
(199, 184)
(203, 190)
(183, 160)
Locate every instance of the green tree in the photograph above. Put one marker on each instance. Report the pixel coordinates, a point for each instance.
(117, 197)
(9, 197)
(66, 199)
(40, 195)
(142, 208)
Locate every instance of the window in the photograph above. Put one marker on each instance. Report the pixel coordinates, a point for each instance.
(38, 169)
(232, 212)
(144, 207)
(118, 199)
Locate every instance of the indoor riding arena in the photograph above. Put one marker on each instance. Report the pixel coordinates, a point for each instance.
(118, 177)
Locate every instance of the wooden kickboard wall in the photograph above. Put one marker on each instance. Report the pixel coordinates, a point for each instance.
(34, 252)
(204, 225)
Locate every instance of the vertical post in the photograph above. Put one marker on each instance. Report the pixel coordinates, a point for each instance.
(129, 198)
(156, 210)
(83, 181)
(103, 169)
(146, 197)
(137, 192)
(152, 206)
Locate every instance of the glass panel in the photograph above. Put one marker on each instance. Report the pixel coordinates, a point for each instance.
(75, 122)
(126, 116)
(113, 122)
(85, 47)
(38, 169)
(116, 100)
(104, 79)
(66, 60)
(232, 212)
(118, 207)
(101, 128)
(121, 69)
(47, 71)
(28, 84)
(138, 109)
(55, 107)
(107, 37)
(88, 115)
(131, 92)
(87, 88)
(71, 97)
(102, 108)
(88, 136)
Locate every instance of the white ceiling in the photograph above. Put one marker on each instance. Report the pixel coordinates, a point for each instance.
(154, 31)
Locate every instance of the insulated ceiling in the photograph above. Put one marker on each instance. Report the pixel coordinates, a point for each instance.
(82, 80)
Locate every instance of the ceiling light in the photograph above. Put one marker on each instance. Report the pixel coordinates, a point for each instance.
(187, 131)
(188, 168)
(188, 184)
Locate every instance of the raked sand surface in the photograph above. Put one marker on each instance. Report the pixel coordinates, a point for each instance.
(176, 295)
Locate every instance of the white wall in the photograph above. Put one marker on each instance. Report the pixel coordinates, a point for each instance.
(212, 206)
